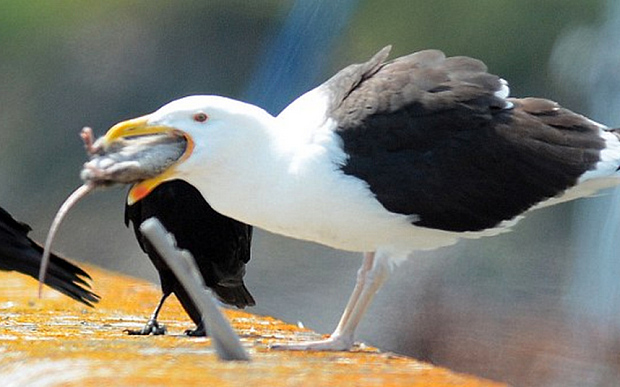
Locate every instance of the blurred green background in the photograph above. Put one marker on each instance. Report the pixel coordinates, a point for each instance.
(538, 306)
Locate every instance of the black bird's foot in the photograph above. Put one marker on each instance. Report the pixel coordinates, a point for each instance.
(198, 332)
(152, 327)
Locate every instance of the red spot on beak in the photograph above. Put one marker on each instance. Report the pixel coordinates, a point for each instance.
(138, 192)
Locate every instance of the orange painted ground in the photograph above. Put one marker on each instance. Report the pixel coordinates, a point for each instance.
(56, 341)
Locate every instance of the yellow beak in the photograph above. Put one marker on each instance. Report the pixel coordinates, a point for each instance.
(134, 127)
(139, 127)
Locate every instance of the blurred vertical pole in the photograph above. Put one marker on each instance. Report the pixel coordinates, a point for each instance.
(299, 52)
(595, 291)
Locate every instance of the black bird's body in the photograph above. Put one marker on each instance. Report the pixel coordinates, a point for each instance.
(220, 246)
(20, 253)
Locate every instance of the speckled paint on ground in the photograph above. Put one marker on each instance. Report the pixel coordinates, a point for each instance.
(58, 342)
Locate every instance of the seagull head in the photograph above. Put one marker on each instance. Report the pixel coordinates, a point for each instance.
(213, 127)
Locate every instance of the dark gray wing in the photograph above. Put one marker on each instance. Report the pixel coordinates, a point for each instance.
(435, 137)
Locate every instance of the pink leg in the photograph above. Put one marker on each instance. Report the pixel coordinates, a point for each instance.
(370, 277)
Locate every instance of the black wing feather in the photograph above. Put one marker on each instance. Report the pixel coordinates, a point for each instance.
(20, 253)
(433, 138)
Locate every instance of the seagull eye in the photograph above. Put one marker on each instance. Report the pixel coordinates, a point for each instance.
(200, 117)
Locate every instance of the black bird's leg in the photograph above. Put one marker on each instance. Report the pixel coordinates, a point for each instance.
(152, 326)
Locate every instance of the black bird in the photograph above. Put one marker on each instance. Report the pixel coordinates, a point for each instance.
(220, 246)
(20, 253)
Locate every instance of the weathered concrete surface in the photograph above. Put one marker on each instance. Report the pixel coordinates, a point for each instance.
(56, 341)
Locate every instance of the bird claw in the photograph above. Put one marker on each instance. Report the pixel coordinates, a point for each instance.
(152, 327)
(198, 332)
(332, 343)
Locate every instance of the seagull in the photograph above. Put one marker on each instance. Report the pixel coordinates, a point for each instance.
(385, 158)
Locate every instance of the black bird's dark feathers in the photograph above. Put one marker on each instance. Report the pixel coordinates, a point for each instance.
(19, 253)
(435, 138)
(219, 245)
